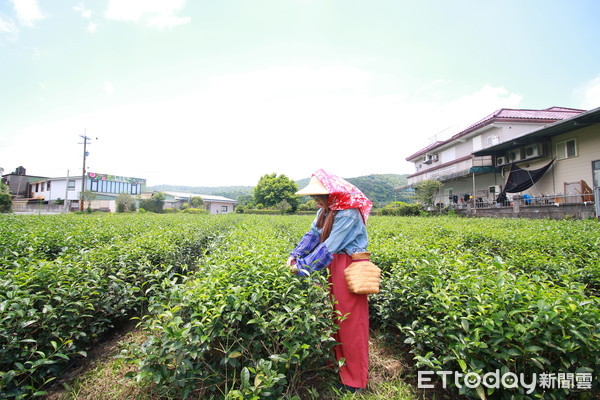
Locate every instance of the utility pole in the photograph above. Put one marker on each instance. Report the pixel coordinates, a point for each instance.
(85, 154)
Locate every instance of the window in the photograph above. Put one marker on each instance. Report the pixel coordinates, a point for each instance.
(566, 149)
(133, 188)
(71, 185)
(448, 155)
(476, 143)
(596, 172)
(43, 185)
(48, 186)
(94, 187)
(37, 187)
(223, 208)
(493, 140)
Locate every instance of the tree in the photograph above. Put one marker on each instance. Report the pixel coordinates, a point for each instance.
(426, 191)
(155, 203)
(272, 190)
(283, 206)
(125, 203)
(89, 196)
(5, 199)
(197, 202)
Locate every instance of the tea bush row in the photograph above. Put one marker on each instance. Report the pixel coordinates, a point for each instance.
(243, 327)
(53, 308)
(485, 295)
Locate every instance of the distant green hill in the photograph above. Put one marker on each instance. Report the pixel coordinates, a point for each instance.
(232, 192)
(377, 187)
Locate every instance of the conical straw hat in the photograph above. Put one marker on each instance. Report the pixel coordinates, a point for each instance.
(314, 187)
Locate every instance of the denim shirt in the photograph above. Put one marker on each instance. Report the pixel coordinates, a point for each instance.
(348, 235)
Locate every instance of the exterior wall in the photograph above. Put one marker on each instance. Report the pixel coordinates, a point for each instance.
(216, 207)
(462, 147)
(18, 185)
(567, 170)
(57, 189)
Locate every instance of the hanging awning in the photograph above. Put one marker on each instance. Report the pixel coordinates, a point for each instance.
(485, 169)
(522, 179)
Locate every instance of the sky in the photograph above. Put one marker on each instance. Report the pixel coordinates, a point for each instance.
(219, 93)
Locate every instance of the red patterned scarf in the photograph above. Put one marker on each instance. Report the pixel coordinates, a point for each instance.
(344, 195)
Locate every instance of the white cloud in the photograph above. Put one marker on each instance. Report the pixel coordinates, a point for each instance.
(238, 127)
(85, 13)
(589, 95)
(460, 113)
(155, 13)
(92, 27)
(108, 87)
(7, 25)
(28, 11)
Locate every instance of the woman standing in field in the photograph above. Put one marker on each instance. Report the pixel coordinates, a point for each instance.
(337, 236)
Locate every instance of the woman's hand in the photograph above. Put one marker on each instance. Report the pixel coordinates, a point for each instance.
(291, 264)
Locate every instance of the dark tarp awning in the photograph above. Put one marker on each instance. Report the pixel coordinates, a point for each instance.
(520, 179)
(484, 170)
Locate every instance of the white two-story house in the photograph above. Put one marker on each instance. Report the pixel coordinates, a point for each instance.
(468, 173)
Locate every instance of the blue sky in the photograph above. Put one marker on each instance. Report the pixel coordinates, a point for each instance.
(210, 93)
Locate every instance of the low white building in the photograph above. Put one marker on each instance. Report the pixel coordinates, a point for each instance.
(213, 204)
(104, 188)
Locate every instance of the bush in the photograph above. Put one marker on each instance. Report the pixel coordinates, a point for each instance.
(194, 211)
(401, 208)
(5, 203)
(243, 328)
(57, 299)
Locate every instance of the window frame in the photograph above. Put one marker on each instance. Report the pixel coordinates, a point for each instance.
(562, 149)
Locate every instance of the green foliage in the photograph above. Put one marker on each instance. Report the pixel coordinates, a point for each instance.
(125, 203)
(66, 280)
(426, 191)
(5, 198)
(243, 327)
(88, 196)
(225, 319)
(401, 208)
(197, 202)
(155, 203)
(5, 202)
(272, 190)
(194, 211)
(475, 296)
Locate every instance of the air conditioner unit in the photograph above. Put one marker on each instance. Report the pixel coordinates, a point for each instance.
(533, 151)
(501, 160)
(494, 189)
(429, 158)
(515, 155)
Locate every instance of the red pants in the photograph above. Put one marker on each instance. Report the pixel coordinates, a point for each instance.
(353, 332)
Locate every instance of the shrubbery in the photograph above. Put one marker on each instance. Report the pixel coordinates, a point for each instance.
(401, 208)
(469, 297)
(66, 280)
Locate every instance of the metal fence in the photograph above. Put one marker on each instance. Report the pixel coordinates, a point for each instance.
(541, 200)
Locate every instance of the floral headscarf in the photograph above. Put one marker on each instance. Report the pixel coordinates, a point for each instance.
(344, 195)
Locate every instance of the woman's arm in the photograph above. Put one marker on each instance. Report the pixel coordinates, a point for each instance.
(342, 233)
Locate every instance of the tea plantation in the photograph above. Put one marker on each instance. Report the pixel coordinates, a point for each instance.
(225, 319)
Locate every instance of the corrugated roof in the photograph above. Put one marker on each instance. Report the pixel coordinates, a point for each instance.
(577, 121)
(205, 197)
(548, 115)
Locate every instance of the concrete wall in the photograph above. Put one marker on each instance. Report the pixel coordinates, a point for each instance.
(578, 211)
